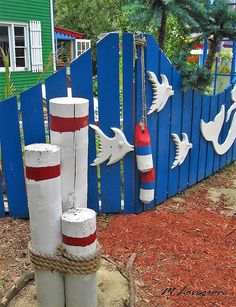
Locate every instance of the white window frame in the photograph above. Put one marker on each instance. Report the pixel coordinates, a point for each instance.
(11, 36)
(82, 41)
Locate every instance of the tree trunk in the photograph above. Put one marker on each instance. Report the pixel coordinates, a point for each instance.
(211, 53)
(162, 29)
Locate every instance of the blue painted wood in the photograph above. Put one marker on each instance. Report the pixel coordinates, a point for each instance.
(163, 137)
(225, 129)
(131, 188)
(210, 150)
(56, 86)
(12, 158)
(228, 102)
(32, 115)
(82, 86)
(203, 143)
(176, 115)
(139, 206)
(2, 211)
(186, 128)
(234, 146)
(194, 152)
(153, 65)
(109, 116)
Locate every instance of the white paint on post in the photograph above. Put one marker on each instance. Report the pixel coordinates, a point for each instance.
(69, 130)
(43, 184)
(79, 239)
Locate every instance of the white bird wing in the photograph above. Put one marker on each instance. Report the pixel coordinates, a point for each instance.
(157, 88)
(233, 94)
(104, 146)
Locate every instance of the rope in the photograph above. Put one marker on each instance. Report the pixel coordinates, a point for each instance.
(65, 263)
(141, 41)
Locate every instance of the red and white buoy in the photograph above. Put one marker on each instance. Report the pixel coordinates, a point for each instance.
(143, 148)
(69, 130)
(79, 239)
(147, 186)
(43, 183)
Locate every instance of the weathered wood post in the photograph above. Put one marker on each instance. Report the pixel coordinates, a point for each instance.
(69, 130)
(43, 184)
(79, 239)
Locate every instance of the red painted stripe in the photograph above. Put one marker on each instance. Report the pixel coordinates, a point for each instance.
(142, 138)
(148, 176)
(62, 124)
(79, 241)
(42, 173)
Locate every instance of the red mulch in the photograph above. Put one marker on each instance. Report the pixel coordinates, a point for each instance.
(188, 247)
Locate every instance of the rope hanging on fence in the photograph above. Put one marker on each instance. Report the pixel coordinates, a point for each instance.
(65, 263)
(140, 40)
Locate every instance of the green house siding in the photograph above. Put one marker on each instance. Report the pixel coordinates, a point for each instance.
(24, 11)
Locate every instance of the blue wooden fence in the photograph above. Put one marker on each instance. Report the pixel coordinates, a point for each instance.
(116, 190)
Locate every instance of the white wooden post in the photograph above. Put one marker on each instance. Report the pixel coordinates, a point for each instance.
(79, 239)
(69, 130)
(43, 184)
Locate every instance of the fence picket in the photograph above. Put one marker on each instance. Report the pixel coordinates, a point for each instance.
(82, 86)
(109, 116)
(12, 158)
(203, 143)
(163, 137)
(131, 188)
(194, 152)
(186, 128)
(228, 102)
(176, 115)
(153, 65)
(210, 150)
(32, 115)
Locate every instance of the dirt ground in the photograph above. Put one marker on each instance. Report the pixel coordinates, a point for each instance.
(185, 249)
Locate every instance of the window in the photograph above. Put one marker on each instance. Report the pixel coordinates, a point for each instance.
(82, 45)
(14, 41)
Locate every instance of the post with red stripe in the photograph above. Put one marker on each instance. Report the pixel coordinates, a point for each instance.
(43, 183)
(69, 130)
(79, 239)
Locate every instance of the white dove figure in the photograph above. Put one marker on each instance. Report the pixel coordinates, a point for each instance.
(182, 148)
(113, 149)
(161, 92)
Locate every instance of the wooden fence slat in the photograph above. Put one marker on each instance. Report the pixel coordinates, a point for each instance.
(131, 188)
(2, 210)
(12, 158)
(210, 150)
(228, 102)
(32, 115)
(186, 128)
(225, 129)
(234, 145)
(109, 116)
(194, 152)
(56, 86)
(176, 114)
(163, 137)
(203, 143)
(82, 86)
(153, 65)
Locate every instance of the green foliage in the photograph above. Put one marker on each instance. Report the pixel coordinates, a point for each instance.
(9, 86)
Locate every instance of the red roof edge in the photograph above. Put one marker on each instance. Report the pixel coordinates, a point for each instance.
(68, 32)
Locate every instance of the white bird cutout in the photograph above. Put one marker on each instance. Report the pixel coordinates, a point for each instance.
(161, 92)
(113, 149)
(181, 147)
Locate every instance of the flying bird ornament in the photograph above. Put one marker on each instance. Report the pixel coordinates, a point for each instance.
(182, 148)
(113, 149)
(161, 92)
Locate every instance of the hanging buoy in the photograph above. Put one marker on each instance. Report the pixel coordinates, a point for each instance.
(143, 148)
(147, 186)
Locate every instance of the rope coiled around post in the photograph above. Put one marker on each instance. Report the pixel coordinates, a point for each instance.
(65, 263)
